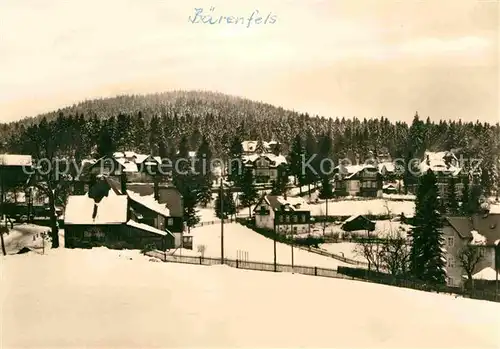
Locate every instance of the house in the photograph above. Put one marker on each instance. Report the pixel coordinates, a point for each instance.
(358, 180)
(106, 216)
(356, 223)
(387, 170)
(264, 166)
(134, 167)
(481, 230)
(444, 164)
(283, 215)
(15, 170)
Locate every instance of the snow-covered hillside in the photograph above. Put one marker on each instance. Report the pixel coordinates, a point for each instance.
(114, 299)
(257, 247)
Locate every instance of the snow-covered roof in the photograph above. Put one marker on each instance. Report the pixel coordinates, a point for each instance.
(477, 239)
(112, 209)
(250, 146)
(15, 160)
(276, 159)
(486, 274)
(130, 160)
(495, 208)
(353, 170)
(149, 228)
(435, 161)
(389, 166)
(149, 202)
(292, 203)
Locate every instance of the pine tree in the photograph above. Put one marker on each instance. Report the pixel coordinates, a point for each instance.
(326, 191)
(465, 209)
(451, 197)
(236, 161)
(311, 152)
(426, 263)
(249, 193)
(228, 205)
(280, 184)
(260, 148)
(296, 158)
(204, 172)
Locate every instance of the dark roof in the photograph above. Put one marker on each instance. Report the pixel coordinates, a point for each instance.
(462, 225)
(487, 225)
(358, 222)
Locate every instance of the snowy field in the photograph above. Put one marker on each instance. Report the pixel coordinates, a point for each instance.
(257, 247)
(344, 249)
(355, 207)
(118, 299)
(337, 208)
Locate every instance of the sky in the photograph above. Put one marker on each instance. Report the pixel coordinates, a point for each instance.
(363, 58)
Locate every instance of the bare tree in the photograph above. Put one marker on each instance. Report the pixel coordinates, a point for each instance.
(396, 253)
(468, 257)
(372, 251)
(3, 230)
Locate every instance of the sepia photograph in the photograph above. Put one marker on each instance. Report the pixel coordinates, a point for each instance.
(249, 174)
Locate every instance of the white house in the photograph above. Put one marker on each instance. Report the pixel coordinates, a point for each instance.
(284, 215)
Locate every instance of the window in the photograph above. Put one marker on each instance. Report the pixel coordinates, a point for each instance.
(482, 251)
(287, 219)
(295, 219)
(450, 262)
(450, 241)
(281, 219)
(170, 222)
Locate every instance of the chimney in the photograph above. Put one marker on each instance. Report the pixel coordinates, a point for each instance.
(284, 196)
(94, 213)
(156, 189)
(123, 183)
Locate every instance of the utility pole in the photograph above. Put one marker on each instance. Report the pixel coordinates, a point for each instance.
(221, 222)
(274, 239)
(496, 269)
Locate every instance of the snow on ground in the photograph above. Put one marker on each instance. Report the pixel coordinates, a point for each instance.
(477, 239)
(24, 235)
(344, 249)
(259, 248)
(355, 207)
(114, 299)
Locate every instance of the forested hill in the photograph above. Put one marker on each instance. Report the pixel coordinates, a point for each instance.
(150, 122)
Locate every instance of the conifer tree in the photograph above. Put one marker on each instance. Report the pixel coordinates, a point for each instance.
(280, 184)
(204, 172)
(249, 193)
(311, 173)
(235, 166)
(465, 209)
(228, 206)
(326, 190)
(296, 158)
(426, 255)
(451, 197)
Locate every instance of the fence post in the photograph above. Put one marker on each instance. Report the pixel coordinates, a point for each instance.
(201, 257)
(315, 271)
(237, 263)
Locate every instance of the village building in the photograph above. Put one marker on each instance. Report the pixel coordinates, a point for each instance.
(134, 167)
(482, 231)
(265, 167)
(15, 170)
(444, 165)
(283, 215)
(357, 180)
(107, 216)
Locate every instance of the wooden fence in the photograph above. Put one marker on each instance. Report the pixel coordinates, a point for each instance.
(341, 273)
(332, 255)
(250, 265)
